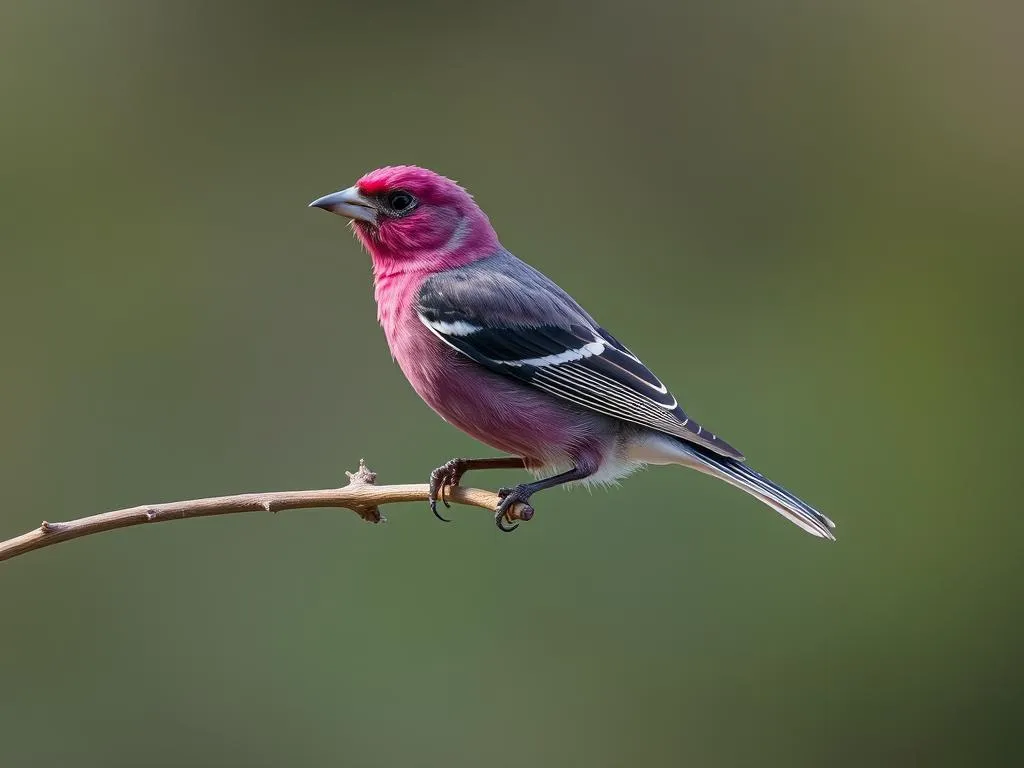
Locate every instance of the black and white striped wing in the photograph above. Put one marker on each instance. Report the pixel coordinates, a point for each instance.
(578, 361)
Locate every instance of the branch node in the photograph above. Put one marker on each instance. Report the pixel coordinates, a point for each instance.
(47, 527)
(362, 476)
(150, 515)
(267, 505)
(523, 512)
(370, 514)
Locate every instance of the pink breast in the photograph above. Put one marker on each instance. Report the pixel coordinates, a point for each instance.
(503, 413)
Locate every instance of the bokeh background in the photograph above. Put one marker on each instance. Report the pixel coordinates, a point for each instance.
(806, 217)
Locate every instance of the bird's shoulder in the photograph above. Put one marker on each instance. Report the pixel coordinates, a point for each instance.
(500, 289)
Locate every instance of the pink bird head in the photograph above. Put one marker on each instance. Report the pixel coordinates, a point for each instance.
(412, 219)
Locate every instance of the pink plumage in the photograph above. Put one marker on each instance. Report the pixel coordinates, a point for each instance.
(501, 352)
(451, 232)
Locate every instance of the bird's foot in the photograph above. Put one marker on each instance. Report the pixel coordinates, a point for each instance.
(444, 477)
(509, 498)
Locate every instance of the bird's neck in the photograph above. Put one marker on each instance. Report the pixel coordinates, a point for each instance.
(471, 239)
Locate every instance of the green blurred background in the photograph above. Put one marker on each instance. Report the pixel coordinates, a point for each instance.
(806, 217)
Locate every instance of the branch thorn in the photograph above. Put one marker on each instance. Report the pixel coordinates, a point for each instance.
(362, 476)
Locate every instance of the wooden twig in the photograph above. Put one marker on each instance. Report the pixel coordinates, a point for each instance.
(360, 495)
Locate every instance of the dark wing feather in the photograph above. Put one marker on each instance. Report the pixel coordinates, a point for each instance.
(514, 321)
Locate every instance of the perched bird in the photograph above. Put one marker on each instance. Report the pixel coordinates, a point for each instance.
(504, 354)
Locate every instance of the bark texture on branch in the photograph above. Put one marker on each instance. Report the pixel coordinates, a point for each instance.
(361, 496)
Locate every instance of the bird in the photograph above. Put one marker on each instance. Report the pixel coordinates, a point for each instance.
(500, 351)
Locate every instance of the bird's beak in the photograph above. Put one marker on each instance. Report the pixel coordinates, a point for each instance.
(348, 202)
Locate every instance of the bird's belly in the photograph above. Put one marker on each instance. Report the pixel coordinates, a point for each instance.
(494, 410)
(501, 412)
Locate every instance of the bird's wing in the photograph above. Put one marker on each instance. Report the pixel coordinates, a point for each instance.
(508, 317)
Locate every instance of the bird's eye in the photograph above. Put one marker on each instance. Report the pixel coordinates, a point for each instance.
(400, 200)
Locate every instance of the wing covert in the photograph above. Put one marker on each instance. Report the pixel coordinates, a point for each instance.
(516, 325)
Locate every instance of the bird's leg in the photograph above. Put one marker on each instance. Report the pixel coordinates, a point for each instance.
(523, 492)
(450, 473)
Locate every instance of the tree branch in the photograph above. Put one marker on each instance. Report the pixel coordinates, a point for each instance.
(360, 495)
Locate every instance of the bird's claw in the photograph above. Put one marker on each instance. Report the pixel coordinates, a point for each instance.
(448, 475)
(509, 498)
(438, 515)
(441, 479)
(501, 520)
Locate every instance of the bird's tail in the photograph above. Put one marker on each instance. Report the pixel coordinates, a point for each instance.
(760, 487)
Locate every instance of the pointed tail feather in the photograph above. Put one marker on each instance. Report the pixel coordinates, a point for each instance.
(760, 487)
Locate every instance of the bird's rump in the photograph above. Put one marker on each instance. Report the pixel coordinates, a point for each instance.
(511, 319)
